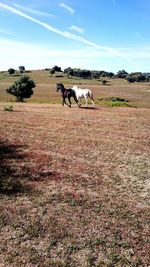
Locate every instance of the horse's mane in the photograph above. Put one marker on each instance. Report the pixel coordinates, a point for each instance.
(60, 84)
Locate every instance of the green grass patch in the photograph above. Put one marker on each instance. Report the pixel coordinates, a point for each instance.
(8, 108)
(114, 102)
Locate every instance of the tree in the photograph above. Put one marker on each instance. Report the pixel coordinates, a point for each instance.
(130, 79)
(121, 74)
(22, 88)
(69, 71)
(136, 77)
(56, 68)
(21, 69)
(95, 74)
(11, 71)
(52, 71)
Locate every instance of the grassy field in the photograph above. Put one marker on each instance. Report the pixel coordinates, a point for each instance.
(74, 186)
(138, 94)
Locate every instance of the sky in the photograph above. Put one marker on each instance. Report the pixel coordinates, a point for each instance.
(109, 35)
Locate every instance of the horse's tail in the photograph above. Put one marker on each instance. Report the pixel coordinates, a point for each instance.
(90, 94)
(74, 96)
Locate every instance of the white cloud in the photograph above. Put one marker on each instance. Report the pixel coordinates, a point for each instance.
(38, 57)
(33, 11)
(76, 29)
(68, 8)
(35, 57)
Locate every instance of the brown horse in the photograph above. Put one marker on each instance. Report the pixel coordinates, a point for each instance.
(66, 93)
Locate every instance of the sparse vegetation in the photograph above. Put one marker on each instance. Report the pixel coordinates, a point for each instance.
(114, 101)
(8, 108)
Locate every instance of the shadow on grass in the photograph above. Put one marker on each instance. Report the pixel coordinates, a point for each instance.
(12, 171)
(94, 108)
(20, 170)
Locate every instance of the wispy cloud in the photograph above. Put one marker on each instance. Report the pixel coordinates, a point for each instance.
(68, 8)
(68, 35)
(2, 30)
(49, 27)
(76, 29)
(33, 11)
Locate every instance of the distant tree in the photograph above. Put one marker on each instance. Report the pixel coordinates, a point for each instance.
(147, 76)
(56, 68)
(139, 77)
(69, 71)
(66, 70)
(22, 88)
(95, 74)
(21, 69)
(103, 74)
(130, 79)
(52, 71)
(110, 74)
(11, 71)
(121, 74)
(83, 73)
(136, 77)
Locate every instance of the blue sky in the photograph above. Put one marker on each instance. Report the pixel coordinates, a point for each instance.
(106, 35)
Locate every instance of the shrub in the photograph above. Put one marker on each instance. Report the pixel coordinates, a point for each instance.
(8, 108)
(11, 71)
(22, 88)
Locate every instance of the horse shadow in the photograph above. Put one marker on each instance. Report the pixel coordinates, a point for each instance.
(89, 108)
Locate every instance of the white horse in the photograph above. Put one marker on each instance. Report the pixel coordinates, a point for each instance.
(83, 93)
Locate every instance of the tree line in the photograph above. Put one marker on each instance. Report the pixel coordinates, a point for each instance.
(95, 74)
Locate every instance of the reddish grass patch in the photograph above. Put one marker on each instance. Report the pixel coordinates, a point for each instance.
(82, 179)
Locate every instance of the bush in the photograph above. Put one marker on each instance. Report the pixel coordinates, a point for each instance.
(11, 71)
(8, 108)
(21, 69)
(130, 79)
(22, 88)
(104, 82)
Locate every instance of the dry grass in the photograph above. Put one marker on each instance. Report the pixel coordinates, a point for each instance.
(74, 186)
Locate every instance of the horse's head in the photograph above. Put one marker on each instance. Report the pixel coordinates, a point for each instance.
(59, 86)
(74, 87)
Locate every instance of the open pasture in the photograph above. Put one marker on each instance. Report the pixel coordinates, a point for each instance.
(138, 94)
(74, 185)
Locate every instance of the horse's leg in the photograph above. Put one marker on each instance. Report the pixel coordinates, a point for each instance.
(85, 101)
(92, 100)
(77, 101)
(80, 102)
(69, 101)
(63, 101)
